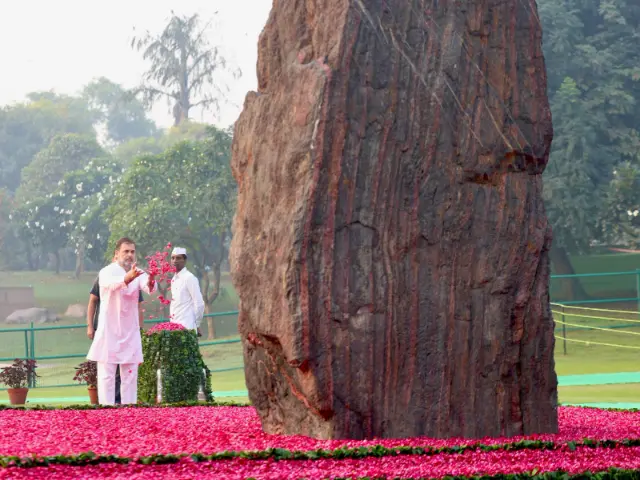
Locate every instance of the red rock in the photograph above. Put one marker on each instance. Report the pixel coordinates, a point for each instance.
(390, 248)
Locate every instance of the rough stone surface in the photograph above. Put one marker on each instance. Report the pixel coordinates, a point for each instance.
(77, 310)
(390, 247)
(35, 315)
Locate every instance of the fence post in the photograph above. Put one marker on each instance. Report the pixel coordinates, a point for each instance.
(638, 288)
(26, 344)
(564, 331)
(32, 380)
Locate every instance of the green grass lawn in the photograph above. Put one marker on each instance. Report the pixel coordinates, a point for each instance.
(604, 287)
(56, 292)
(627, 393)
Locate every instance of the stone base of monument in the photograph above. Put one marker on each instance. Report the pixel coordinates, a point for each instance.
(390, 246)
(173, 369)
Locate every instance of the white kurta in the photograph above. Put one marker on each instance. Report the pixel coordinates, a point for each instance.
(117, 339)
(187, 305)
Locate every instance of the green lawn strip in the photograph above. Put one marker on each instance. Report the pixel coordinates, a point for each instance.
(237, 403)
(115, 407)
(90, 458)
(624, 393)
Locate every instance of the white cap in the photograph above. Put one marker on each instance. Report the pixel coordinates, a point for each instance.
(179, 251)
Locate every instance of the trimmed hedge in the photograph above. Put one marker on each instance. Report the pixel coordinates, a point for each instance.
(177, 354)
(90, 458)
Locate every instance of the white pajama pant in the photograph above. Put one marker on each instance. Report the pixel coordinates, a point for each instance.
(107, 383)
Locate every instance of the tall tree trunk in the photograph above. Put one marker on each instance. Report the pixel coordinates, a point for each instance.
(208, 300)
(56, 256)
(179, 114)
(80, 260)
(211, 326)
(570, 288)
(30, 260)
(215, 268)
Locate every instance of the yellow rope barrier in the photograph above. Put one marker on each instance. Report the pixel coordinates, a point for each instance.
(596, 343)
(628, 312)
(595, 318)
(586, 327)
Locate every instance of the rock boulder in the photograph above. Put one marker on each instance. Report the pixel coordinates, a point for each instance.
(35, 315)
(390, 247)
(76, 310)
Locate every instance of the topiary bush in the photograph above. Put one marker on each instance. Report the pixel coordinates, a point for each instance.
(175, 351)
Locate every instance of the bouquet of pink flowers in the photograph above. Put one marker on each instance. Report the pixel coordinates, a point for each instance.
(158, 327)
(160, 267)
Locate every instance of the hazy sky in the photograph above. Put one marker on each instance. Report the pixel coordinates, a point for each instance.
(64, 44)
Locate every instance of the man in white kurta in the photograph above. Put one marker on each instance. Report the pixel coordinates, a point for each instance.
(187, 305)
(117, 339)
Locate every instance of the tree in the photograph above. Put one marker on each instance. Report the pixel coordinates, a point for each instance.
(5, 211)
(11, 246)
(592, 53)
(574, 182)
(189, 130)
(65, 153)
(72, 215)
(27, 128)
(40, 222)
(622, 206)
(183, 67)
(185, 196)
(41, 228)
(89, 191)
(122, 114)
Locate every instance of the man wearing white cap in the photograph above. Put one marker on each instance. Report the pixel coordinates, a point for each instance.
(187, 305)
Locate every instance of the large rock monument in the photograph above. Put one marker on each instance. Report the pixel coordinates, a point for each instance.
(390, 246)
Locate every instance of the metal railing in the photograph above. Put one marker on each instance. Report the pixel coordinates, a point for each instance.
(30, 345)
(631, 288)
(594, 284)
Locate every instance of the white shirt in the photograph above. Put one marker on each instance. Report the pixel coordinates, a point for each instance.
(117, 339)
(187, 305)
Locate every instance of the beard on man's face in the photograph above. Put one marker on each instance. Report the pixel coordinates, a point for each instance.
(126, 263)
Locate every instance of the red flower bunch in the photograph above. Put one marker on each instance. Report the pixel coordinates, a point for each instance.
(158, 327)
(158, 264)
(160, 268)
(163, 300)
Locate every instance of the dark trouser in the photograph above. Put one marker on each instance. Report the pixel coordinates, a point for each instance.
(118, 399)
